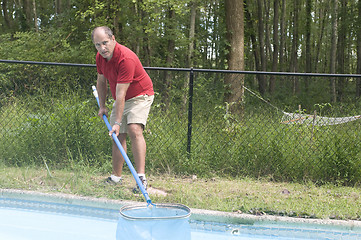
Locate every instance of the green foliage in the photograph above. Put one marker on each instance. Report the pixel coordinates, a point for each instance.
(58, 130)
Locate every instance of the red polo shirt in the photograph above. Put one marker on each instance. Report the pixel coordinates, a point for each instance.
(125, 67)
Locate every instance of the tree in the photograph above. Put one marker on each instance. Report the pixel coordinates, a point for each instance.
(170, 55)
(235, 36)
(7, 17)
(192, 27)
(341, 48)
(358, 45)
(262, 50)
(200, 34)
(333, 49)
(252, 35)
(295, 45)
(322, 16)
(308, 40)
(275, 44)
(282, 34)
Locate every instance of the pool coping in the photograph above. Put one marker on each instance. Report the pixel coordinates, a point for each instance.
(196, 214)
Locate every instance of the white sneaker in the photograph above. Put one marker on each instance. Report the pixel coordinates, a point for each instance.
(144, 182)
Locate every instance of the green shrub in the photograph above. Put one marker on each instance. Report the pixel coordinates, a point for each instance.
(62, 129)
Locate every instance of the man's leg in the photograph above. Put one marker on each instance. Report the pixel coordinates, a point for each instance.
(117, 157)
(135, 132)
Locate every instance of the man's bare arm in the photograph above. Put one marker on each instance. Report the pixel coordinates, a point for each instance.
(121, 91)
(102, 94)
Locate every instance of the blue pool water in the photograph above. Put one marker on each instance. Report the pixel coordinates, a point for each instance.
(27, 219)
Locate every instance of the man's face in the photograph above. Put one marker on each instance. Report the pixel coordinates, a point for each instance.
(104, 44)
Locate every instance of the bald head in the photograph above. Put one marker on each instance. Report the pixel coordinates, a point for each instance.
(104, 41)
(106, 30)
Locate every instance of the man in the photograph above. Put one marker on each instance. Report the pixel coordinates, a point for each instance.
(132, 90)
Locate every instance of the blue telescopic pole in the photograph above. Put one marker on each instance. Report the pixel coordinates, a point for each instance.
(124, 154)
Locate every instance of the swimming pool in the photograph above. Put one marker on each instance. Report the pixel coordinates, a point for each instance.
(41, 216)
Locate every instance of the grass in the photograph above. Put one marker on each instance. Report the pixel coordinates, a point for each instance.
(252, 196)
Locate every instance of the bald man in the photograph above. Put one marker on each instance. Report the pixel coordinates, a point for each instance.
(133, 94)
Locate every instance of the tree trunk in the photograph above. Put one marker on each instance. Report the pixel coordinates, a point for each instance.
(294, 52)
(138, 15)
(207, 22)
(27, 14)
(333, 49)
(308, 41)
(249, 22)
(341, 45)
(262, 81)
(7, 17)
(267, 26)
(358, 25)
(170, 56)
(282, 34)
(35, 17)
(322, 19)
(235, 36)
(116, 22)
(192, 27)
(58, 6)
(146, 44)
(275, 45)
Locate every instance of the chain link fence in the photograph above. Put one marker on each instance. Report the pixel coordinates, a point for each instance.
(298, 133)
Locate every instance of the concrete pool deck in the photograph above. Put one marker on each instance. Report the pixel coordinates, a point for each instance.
(197, 214)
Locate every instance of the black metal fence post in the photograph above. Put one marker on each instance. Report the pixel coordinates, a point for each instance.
(190, 109)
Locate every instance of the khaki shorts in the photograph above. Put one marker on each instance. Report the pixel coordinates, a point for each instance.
(136, 110)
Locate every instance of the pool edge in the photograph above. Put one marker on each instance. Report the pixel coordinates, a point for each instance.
(197, 214)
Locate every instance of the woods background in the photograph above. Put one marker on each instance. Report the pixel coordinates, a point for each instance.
(321, 36)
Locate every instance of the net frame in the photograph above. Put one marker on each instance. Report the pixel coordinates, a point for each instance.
(164, 206)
